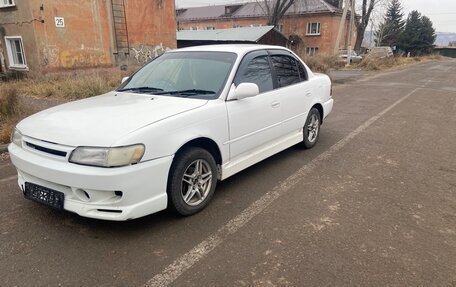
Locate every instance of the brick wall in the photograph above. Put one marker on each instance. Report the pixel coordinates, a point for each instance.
(292, 25)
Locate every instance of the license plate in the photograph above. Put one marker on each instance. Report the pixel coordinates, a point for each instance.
(47, 196)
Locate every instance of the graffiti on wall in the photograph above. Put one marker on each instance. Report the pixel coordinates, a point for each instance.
(50, 55)
(78, 58)
(53, 56)
(145, 53)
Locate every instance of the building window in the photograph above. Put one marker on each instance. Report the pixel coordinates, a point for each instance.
(313, 28)
(7, 3)
(15, 51)
(279, 27)
(311, 51)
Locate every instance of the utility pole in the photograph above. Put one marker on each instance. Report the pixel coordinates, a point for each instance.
(341, 27)
(352, 21)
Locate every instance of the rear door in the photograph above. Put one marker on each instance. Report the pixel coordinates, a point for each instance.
(293, 90)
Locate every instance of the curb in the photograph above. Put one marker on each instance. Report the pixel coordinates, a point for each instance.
(3, 147)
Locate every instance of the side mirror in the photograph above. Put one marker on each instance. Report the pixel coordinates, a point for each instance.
(245, 90)
(124, 79)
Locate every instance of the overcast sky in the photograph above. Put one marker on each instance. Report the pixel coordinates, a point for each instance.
(441, 12)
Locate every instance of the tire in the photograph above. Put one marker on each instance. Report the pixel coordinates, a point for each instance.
(192, 181)
(311, 130)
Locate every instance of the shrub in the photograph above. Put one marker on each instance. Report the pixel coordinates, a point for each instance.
(10, 111)
(8, 101)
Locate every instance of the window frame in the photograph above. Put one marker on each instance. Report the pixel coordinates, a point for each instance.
(312, 51)
(245, 63)
(3, 5)
(309, 29)
(279, 28)
(9, 52)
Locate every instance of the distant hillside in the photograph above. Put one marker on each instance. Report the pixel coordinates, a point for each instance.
(443, 39)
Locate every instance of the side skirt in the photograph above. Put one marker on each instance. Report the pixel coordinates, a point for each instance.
(252, 157)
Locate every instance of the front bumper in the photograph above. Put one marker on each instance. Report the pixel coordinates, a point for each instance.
(121, 193)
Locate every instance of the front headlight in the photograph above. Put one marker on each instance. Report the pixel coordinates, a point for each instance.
(108, 157)
(16, 137)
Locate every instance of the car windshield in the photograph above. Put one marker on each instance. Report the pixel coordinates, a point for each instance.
(183, 74)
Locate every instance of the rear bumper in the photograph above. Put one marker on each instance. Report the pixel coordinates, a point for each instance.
(327, 107)
(104, 193)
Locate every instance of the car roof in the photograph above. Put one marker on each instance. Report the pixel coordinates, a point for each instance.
(239, 49)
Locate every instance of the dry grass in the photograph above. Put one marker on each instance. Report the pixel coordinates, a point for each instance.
(322, 63)
(70, 86)
(375, 64)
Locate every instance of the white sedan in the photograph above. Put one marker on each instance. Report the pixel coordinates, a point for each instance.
(165, 137)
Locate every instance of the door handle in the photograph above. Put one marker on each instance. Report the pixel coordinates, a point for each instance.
(308, 93)
(275, 104)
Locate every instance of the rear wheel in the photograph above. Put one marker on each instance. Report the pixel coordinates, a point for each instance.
(311, 129)
(192, 181)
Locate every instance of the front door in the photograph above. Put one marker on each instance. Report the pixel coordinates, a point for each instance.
(255, 121)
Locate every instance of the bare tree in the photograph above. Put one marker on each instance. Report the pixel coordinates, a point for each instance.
(275, 9)
(383, 32)
(367, 7)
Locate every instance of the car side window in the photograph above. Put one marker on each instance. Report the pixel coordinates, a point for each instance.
(302, 72)
(286, 69)
(258, 72)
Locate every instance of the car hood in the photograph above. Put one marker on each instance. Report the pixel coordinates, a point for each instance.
(102, 120)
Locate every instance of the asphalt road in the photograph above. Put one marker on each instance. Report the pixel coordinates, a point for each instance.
(373, 204)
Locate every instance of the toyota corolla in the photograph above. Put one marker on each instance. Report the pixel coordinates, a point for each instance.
(184, 121)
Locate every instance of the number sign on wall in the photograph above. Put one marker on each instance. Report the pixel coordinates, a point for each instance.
(59, 22)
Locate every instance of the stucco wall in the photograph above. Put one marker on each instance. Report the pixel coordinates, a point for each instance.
(88, 38)
(19, 21)
(151, 28)
(85, 41)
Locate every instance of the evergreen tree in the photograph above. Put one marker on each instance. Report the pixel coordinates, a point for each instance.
(389, 31)
(427, 36)
(418, 36)
(410, 38)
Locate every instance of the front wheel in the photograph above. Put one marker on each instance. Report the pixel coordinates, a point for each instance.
(311, 129)
(192, 181)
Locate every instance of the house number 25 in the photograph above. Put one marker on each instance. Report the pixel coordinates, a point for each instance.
(59, 22)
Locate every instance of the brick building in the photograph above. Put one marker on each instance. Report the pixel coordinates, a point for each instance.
(312, 25)
(55, 34)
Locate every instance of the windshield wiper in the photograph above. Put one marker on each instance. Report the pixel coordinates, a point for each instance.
(189, 92)
(141, 89)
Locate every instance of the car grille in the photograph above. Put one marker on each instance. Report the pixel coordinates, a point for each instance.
(46, 150)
